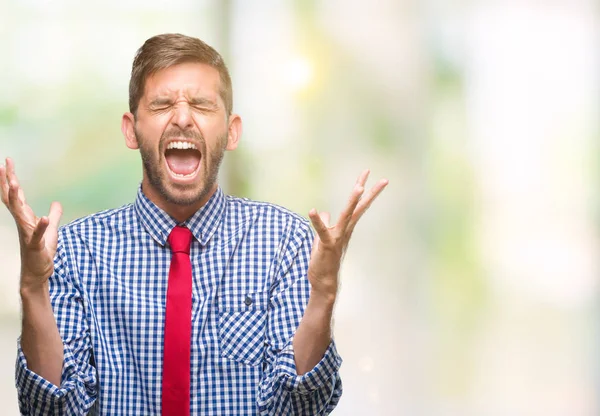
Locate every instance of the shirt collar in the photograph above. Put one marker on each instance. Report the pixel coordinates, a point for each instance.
(159, 224)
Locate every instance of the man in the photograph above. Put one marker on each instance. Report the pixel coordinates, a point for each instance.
(186, 301)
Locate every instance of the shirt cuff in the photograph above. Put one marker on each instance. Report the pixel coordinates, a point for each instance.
(322, 374)
(35, 389)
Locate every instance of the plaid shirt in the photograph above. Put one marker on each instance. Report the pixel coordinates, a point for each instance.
(108, 291)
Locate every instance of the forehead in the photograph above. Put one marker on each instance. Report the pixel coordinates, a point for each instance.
(187, 79)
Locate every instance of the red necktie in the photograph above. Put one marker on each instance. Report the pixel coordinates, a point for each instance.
(178, 327)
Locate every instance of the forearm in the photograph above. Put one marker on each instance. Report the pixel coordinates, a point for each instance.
(305, 375)
(40, 340)
(313, 335)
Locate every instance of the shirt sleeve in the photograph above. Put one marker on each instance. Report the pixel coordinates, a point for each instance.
(77, 392)
(282, 391)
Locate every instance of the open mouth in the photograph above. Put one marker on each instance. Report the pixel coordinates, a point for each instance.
(183, 159)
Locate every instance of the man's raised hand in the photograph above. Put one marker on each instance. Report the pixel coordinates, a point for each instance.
(331, 242)
(37, 236)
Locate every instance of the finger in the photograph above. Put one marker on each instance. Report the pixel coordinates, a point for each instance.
(23, 219)
(362, 178)
(325, 217)
(21, 196)
(347, 213)
(38, 233)
(14, 202)
(13, 184)
(3, 185)
(11, 176)
(366, 201)
(55, 214)
(319, 225)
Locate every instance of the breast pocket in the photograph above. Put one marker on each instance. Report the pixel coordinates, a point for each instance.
(242, 326)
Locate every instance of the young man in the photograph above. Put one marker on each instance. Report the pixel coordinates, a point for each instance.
(187, 301)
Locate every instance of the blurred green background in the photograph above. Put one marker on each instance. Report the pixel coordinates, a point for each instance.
(471, 285)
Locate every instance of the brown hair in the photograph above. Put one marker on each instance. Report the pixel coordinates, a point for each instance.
(163, 51)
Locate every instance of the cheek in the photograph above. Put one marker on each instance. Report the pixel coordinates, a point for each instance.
(148, 148)
(210, 124)
(148, 135)
(152, 125)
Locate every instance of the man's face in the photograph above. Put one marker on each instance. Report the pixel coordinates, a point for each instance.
(181, 129)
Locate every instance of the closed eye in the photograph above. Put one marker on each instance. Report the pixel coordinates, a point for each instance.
(203, 104)
(160, 104)
(204, 109)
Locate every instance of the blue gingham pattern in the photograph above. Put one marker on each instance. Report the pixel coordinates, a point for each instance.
(108, 291)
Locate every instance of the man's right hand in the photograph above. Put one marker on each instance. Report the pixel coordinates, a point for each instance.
(37, 236)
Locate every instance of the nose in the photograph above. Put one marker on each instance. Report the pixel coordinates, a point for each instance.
(182, 116)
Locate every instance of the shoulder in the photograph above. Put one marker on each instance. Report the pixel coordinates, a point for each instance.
(99, 222)
(266, 212)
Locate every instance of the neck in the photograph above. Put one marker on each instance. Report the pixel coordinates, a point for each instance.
(178, 211)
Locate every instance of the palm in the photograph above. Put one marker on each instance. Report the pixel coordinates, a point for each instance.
(37, 236)
(331, 242)
(39, 254)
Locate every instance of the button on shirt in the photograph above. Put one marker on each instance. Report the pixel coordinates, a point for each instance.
(108, 291)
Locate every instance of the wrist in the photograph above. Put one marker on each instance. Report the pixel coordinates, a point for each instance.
(34, 290)
(323, 298)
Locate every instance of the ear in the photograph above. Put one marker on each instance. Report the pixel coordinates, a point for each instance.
(128, 129)
(234, 132)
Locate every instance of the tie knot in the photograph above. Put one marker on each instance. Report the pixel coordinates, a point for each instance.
(180, 240)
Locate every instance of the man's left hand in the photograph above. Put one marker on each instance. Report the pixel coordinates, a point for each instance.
(331, 242)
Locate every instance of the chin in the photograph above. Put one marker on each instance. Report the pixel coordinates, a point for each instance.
(186, 195)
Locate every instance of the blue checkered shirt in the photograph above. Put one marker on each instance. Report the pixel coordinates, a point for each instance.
(108, 292)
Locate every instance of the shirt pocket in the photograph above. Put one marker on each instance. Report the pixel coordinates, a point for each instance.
(242, 326)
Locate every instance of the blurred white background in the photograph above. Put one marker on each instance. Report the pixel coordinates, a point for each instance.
(471, 286)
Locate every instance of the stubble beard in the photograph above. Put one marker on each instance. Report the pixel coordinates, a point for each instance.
(158, 178)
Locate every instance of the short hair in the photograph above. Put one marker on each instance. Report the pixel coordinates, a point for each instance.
(166, 50)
